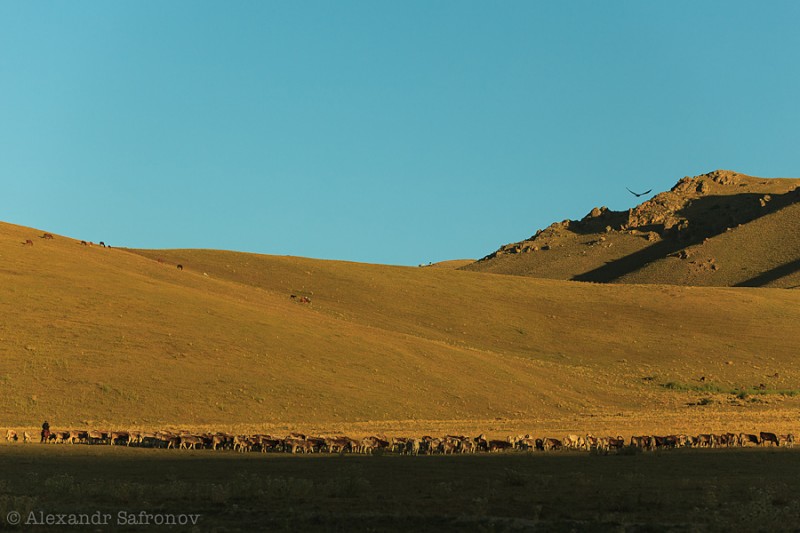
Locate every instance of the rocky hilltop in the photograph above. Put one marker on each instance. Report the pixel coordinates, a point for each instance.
(722, 228)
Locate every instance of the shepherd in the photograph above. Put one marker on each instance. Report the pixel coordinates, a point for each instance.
(45, 431)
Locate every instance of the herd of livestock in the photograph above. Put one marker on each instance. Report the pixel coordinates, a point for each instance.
(450, 444)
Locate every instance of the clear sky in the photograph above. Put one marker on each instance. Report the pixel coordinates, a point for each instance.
(387, 132)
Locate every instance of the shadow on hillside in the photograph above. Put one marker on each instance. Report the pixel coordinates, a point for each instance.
(771, 275)
(631, 263)
(708, 216)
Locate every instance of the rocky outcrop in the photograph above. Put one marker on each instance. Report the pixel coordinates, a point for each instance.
(693, 208)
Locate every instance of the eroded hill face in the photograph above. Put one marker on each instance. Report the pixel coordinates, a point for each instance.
(718, 229)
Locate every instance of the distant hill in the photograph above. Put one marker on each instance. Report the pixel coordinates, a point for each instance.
(452, 264)
(717, 229)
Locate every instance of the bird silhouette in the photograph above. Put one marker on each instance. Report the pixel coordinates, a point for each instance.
(638, 194)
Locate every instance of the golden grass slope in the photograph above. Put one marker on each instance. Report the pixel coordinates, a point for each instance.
(110, 337)
(691, 222)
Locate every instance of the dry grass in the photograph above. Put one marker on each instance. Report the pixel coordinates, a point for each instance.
(113, 338)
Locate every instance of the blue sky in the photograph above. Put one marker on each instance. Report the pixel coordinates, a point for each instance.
(384, 132)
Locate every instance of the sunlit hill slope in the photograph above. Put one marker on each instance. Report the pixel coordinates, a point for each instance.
(114, 337)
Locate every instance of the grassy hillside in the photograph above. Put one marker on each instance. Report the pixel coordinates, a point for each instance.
(718, 229)
(770, 244)
(106, 336)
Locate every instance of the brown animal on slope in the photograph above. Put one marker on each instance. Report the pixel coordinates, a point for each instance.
(94, 437)
(551, 444)
(63, 437)
(294, 445)
(220, 440)
(706, 440)
(748, 438)
(398, 444)
(47, 236)
(574, 442)
(241, 444)
(269, 443)
(449, 446)
(344, 444)
(642, 442)
(481, 443)
(412, 447)
(27, 242)
(772, 438)
(500, 445)
(468, 445)
(119, 437)
(190, 442)
(374, 442)
(134, 437)
(526, 443)
(616, 443)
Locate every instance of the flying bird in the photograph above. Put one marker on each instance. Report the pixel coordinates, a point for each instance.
(638, 194)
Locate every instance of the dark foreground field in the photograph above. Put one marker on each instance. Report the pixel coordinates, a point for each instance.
(696, 490)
